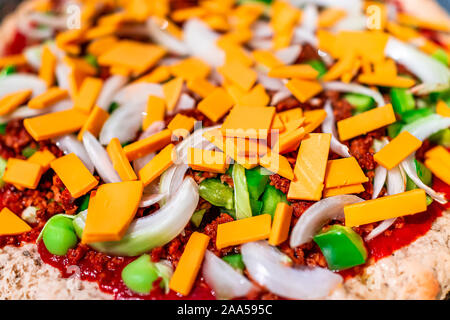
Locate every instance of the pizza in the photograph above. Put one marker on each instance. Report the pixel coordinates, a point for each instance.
(200, 150)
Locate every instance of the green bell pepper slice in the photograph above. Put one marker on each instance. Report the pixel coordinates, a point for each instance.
(342, 247)
(3, 128)
(402, 100)
(394, 129)
(441, 56)
(241, 195)
(257, 179)
(235, 260)
(2, 171)
(441, 137)
(28, 151)
(216, 193)
(256, 206)
(197, 217)
(413, 115)
(8, 70)
(360, 102)
(319, 66)
(270, 198)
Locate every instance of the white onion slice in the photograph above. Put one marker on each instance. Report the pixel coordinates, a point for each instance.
(22, 81)
(289, 54)
(352, 22)
(201, 42)
(150, 199)
(269, 83)
(100, 159)
(137, 93)
(260, 44)
(329, 126)
(165, 39)
(316, 216)
(425, 127)
(261, 29)
(33, 56)
(226, 282)
(267, 266)
(302, 36)
(154, 128)
(186, 102)
(25, 25)
(62, 72)
(279, 96)
(380, 171)
(51, 21)
(310, 17)
(110, 88)
(25, 112)
(154, 230)
(70, 144)
(351, 6)
(354, 88)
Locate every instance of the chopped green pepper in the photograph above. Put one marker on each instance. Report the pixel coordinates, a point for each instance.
(319, 66)
(8, 70)
(83, 203)
(92, 60)
(113, 106)
(424, 175)
(241, 196)
(3, 128)
(342, 247)
(402, 100)
(361, 102)
(2, 171)
(441, 56)
(197, 217)
(394, 129)
(28, 151)
(271, 197)
(235, 260)
(441, 137)
(256, 206)
(257, 179)
(216, 193)
(413, 115)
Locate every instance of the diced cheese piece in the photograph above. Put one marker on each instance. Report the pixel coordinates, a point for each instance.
(235, 92)
(190, 68)
(94, 122)
(439, 168)
(48, 66)
(181, 125)
(88, 94)
(244, 230)
(257, 97)
(309, 172)
(12, 101)
(160, 163)
(69, 37)
(101, 45)
(216, 104)
(282, 39)
(42, 158)
(343, 172)
(75, 79)
(301, 71)
(267, 59)
(248, 122)
(74, 174)
(156, 109)
(330, 16)
(81, 65)
(366, 122)
(294, 124)
(48, 98)
(277, 123)
(344, 65)
(14, 60)
(277, 164)
(304, 90)
(134, 55)
(184, 14)
(189, 265)
(281, 223)
(150, 144)
(313, 119)
(120, 70)
(23, 173)
(438, 25)
(217, 22)
(438, 152)
(292, 114)
(10, 224)
(239, 74)
(101, 31)
(354, 188)
(387, 207)
(120, 161)
(289, 140)
(111, 211)
(172, 92)
(207, 160)
(235, 53)
(250, 147)
(442, 109)
(158, 75)
(55, 124)
(200, 86)
(378, 80)
(397, 150)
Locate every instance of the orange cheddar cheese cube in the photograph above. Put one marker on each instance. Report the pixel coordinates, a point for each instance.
(257, 97)
(189, 265)
(120, 161)
(181, 125)
(216, 104)
(248, 122)
(438, 161)
(281, 223)
(277, 164)
(386, 81)
(239, 74)
(313, 119)
(94, 122)
(266, 59)
(150, 144)
(55, 124)
(81, 65)
(304, 90)
(51, 96)
(88, 94)
(48, 66)
(43, 158)
(330, 16)
(438, 152)
(156, 109)
(289, 140)
(331, 192)
(443, 109)
(290, 115)
(172, 92)
(160, 163)
(277, 124)
(301, 71)
(111, 211)
(11, 224)
(366, 122)
(12, 101)
(244, 230)
(309, 172)
(387, 207)
(73, 173)
(14, 60)
(207, 160)
(190, 68)
(340, 68)
(397, 150)
(101, 45)
(200, 86)
(22, 173)
(157, 75)
(344, 172)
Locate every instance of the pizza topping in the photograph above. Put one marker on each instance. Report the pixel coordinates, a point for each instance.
(11, 224)
(281, 223)
(24, 174)
(59, 235)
